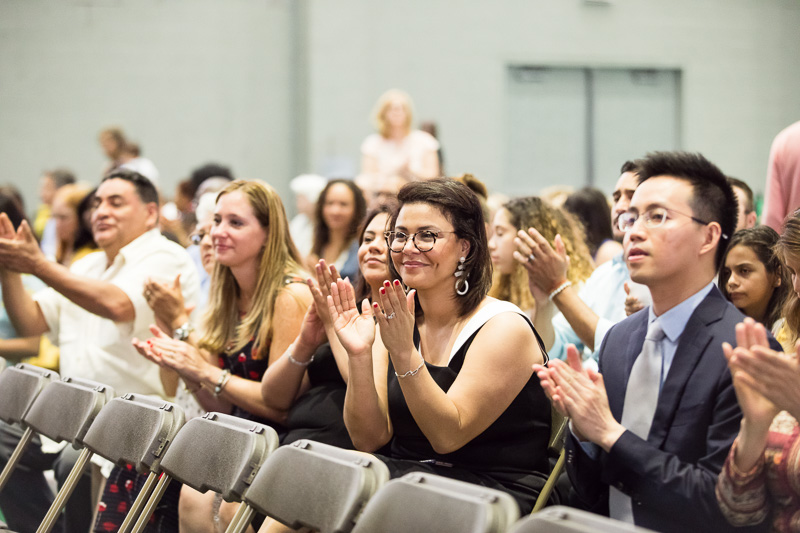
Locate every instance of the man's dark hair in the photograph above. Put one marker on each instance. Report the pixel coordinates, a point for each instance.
(144, 187)
(209, 170)
(61, 177)
(10, 205)
(713, 199)
(748, 193)
(630, 166)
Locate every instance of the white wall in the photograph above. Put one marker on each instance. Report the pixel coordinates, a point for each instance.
(200, 80)
(190, 80)
(738, 58)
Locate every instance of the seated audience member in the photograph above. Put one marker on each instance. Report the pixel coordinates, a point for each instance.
(650, 434)
(73, 235)
(586, 315)
(311, 384)
(460, 400)
(396, 148)
(753, 278)
(44, 226)
(14, 348)
(747, 217)
(761, 477)
(90, 311)
(306, 189)
(590, 207)
(338, 215)
(510, 278)
(256, 307)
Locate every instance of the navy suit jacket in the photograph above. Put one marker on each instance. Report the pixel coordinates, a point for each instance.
(671, 476)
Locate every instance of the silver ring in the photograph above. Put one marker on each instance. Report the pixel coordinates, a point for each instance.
(389, 317)
(531, 258)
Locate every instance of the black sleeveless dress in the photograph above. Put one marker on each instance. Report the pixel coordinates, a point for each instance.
(318, 413)
(510, 455)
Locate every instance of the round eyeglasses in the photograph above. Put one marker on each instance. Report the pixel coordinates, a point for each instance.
(423, 240)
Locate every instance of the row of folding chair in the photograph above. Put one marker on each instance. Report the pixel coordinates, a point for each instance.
(304, 484)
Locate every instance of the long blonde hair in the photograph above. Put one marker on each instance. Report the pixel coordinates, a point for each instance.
(383, 103)
(279, 259)
(533, 212)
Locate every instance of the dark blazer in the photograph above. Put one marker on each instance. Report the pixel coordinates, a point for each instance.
(670, 477)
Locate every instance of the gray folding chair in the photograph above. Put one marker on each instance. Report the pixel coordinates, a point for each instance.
(63, 411)
(425, 502)
(312, 484)
(561, 519)
(555, 451)
(216, 452)
(19, 387)
(135, 430)
(2, 366)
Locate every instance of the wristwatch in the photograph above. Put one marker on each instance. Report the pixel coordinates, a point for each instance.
(183, 332)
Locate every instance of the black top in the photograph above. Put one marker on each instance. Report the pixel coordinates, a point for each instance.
(515, 443)
(318, 413)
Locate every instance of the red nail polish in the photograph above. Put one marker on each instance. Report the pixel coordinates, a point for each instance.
(375, 306)
(397, 283)
(383, 290)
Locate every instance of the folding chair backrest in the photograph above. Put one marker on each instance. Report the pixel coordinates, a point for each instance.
(19, 387)
(561, 519)
(135, 429)
(219, 452)
(558, 428)
(2, 367)
(425, 502)
(65, 409)
(316, 485)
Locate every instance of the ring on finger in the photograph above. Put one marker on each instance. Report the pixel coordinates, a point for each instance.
(531, 257)
(389, 317)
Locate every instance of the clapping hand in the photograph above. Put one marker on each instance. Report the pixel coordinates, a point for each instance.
(19, 251)
(354, 329)
(397, 319)
(182, 357)
(547, 267)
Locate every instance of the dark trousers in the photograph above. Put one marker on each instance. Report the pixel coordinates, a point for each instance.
(27, 496)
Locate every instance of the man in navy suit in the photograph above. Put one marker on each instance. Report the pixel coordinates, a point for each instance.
(650, 433)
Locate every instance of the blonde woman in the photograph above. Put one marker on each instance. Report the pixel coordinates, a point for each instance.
(257, 302)
(397, 148)
(510, 277)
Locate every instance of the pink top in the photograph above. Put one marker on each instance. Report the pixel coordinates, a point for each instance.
(746, 498)
(398, 157)
(782, 196)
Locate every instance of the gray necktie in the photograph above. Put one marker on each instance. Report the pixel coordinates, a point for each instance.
(641, 399)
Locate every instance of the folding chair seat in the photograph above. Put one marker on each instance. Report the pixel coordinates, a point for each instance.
(19, 387)
(561, 519)
(135, 430)
(63, 411)
(312, 484)
(216, 452)
(555, 452)
(425, 502)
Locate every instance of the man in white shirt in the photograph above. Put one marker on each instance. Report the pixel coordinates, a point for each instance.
(571, 316)
(91, 311)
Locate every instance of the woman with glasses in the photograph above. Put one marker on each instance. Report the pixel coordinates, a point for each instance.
(450, 388)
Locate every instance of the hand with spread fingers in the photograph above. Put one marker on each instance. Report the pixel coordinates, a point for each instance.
(354, 329)
(166, 301)
(766, 381)
(396, 321)
(326, 275)
(19, 251)
(547, 268)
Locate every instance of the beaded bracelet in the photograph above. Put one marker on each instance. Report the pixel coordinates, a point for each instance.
(558, 290)
(223, 380)
(410, 372)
